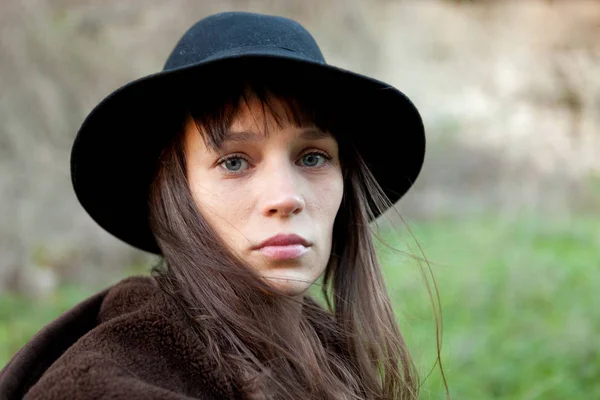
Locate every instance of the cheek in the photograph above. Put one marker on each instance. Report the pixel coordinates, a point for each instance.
(219, 203)
(328, 200)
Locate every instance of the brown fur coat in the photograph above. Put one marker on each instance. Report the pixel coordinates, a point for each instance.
(122, 343)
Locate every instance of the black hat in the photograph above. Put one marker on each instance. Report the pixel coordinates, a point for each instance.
(114, 155)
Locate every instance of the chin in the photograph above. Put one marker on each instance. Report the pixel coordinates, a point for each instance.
(291, 286)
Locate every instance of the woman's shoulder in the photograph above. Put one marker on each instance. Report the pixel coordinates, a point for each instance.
(137, 348)
(128, 296)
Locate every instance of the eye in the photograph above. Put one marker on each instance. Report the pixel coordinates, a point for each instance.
(234, 164)
(313, 160)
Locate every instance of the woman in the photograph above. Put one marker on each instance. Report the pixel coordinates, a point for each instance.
(253, 169)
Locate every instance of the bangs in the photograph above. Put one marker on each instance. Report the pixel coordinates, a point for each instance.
(288, 101)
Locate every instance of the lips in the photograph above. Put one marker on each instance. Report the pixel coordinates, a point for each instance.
(284, 247)
(284, 240)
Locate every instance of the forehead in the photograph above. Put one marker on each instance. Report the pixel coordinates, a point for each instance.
(252, 110)
(254, 117)
(265, 115)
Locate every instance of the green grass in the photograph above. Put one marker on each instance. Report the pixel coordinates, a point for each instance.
(520, 298)
(521, 306)
(21, 318)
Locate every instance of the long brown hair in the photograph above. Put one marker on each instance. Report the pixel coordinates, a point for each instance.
(352, 348)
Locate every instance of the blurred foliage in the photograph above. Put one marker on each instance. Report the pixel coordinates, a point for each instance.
(521, 314)
(520, 310)
(21, 317)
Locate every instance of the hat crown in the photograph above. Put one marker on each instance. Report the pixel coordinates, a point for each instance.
(226, 32)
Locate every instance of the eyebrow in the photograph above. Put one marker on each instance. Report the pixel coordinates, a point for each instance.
(247, 136)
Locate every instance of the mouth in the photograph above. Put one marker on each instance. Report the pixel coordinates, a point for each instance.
(283, 247)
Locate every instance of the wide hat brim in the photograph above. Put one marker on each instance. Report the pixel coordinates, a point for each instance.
(115, 153)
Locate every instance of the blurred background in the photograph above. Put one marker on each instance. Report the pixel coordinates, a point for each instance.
(506, 209)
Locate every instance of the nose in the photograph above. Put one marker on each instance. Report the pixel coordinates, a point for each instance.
(281, 195)
(285, 206)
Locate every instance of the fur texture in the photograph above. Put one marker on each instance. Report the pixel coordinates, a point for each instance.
(123, 343)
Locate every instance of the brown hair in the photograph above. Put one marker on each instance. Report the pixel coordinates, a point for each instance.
(352, 351)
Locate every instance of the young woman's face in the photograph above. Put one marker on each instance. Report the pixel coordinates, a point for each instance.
(272, 197)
